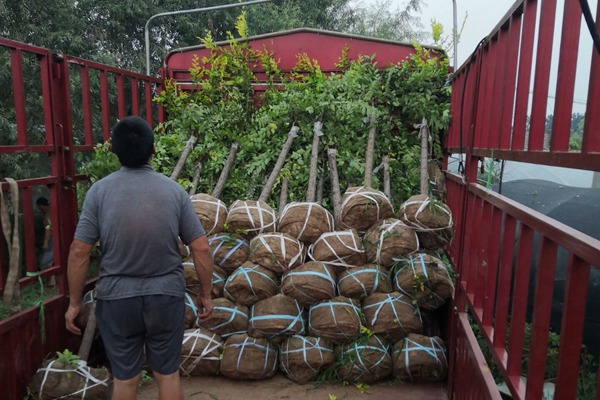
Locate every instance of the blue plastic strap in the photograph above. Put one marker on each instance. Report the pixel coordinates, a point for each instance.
(190, 303)
(234, 312)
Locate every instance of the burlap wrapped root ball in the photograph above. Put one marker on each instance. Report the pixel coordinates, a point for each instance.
(251, 283)
(301, 358)
(430, 218)
(56, 379)
(276, 316)
(227, 318)
(338, 320)
(388, 240)
(305, 221)
(228, 251)
(200, 353)
(251, 218)
(420, 358)
(361, 207)
(424, 278)
(277, 251)
(191, 311)
(211, 212)
(392, 315)
(342, 248)
(365, 361)
(310, 283)
(248, 358)
(192, 283)
(360, 282)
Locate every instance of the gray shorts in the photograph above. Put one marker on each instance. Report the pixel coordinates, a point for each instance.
(127, 325)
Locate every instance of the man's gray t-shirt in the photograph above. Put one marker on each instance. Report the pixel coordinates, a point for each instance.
(138, 216)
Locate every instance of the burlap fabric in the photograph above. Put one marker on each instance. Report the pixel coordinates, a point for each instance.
(229, 251)
(305, 221)
(392, 315)
(251, 283)
(191, 311)
(420, 358)
(184, 250)
(276, 316)
(437, 181)
(365, 361)
(389, 239)
(310, 283)
(278, 252)
(430, 218)
(341, 248)
(227, 318)
(200, 353)
(192, 284)
(337, 319)
(425, 279)
(361, 207)
(301, 358)
(55, 380)
(248, 358)
(251, 218)
(360, 282)
(211, 212)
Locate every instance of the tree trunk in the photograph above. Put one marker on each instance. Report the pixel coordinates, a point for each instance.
(197, 170)
(225, 173)
(424, 134)
(12, 290)
(314, 160)
(88, 334)
(189, 146)
(370, 151)
(335, 182)
(386, 176)
(320, 185)
(283, 196)
(266, 192)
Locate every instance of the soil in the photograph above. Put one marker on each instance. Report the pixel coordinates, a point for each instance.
(281, 388)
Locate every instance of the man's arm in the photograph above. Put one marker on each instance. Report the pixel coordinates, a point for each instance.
(77, 267)
(204, 269)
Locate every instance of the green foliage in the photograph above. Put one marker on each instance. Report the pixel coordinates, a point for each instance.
(68, 358)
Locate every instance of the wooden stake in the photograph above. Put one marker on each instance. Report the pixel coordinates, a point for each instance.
(335, 182)
(320, 185)
(225, 173)
(88, 334)
(189, 146)
(266, 192)
(386, 176)
(424, 135)
(370, 151)
(314, 159)
(197, 170)
(283, 196)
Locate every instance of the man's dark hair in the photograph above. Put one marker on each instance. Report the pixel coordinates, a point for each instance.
(42, 201)
(132, 141)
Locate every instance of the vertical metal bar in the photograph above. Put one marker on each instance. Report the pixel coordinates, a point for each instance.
(484, 264)
(105, 104)
(488, 99)
(499, 90)
(16, 64)
(544, 281)
(565, 86)
(135, 100)
(524, 76)
(519, 301)
(510, 80)
(121, 96)
(542, 75)
(591, 127)
(86, 105)
(504, 279)
(28, 229)
(576, 288)
(492, 278)
(472, 257)
(47, 104)
(148, 99)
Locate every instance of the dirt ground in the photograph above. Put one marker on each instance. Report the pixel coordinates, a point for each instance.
(281, 388)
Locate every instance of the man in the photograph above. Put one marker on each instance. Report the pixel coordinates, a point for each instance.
(138, 216)
(43, 205)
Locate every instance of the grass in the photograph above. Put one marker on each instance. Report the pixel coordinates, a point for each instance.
(30, 296)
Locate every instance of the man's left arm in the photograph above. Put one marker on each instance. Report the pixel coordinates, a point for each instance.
(77, 268)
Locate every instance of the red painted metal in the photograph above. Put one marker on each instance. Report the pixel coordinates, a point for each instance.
(86, 105)
(121, 96)
(105, 105)
(565, 87)
(591, 127)
(135, 100)
(510, 78)
(16, 64)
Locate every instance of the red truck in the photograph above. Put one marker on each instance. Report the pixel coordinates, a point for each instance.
(504, 253)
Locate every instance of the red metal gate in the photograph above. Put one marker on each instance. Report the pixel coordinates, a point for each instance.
(58, 109)
(496, 116)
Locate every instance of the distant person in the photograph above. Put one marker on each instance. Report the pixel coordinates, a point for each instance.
(139, 215)
(43, 204)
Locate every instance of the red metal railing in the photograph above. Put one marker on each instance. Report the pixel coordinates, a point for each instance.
(80, 100)
(501, 245)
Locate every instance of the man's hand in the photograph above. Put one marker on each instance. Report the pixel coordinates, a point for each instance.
(70, 316)
(206, 306)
